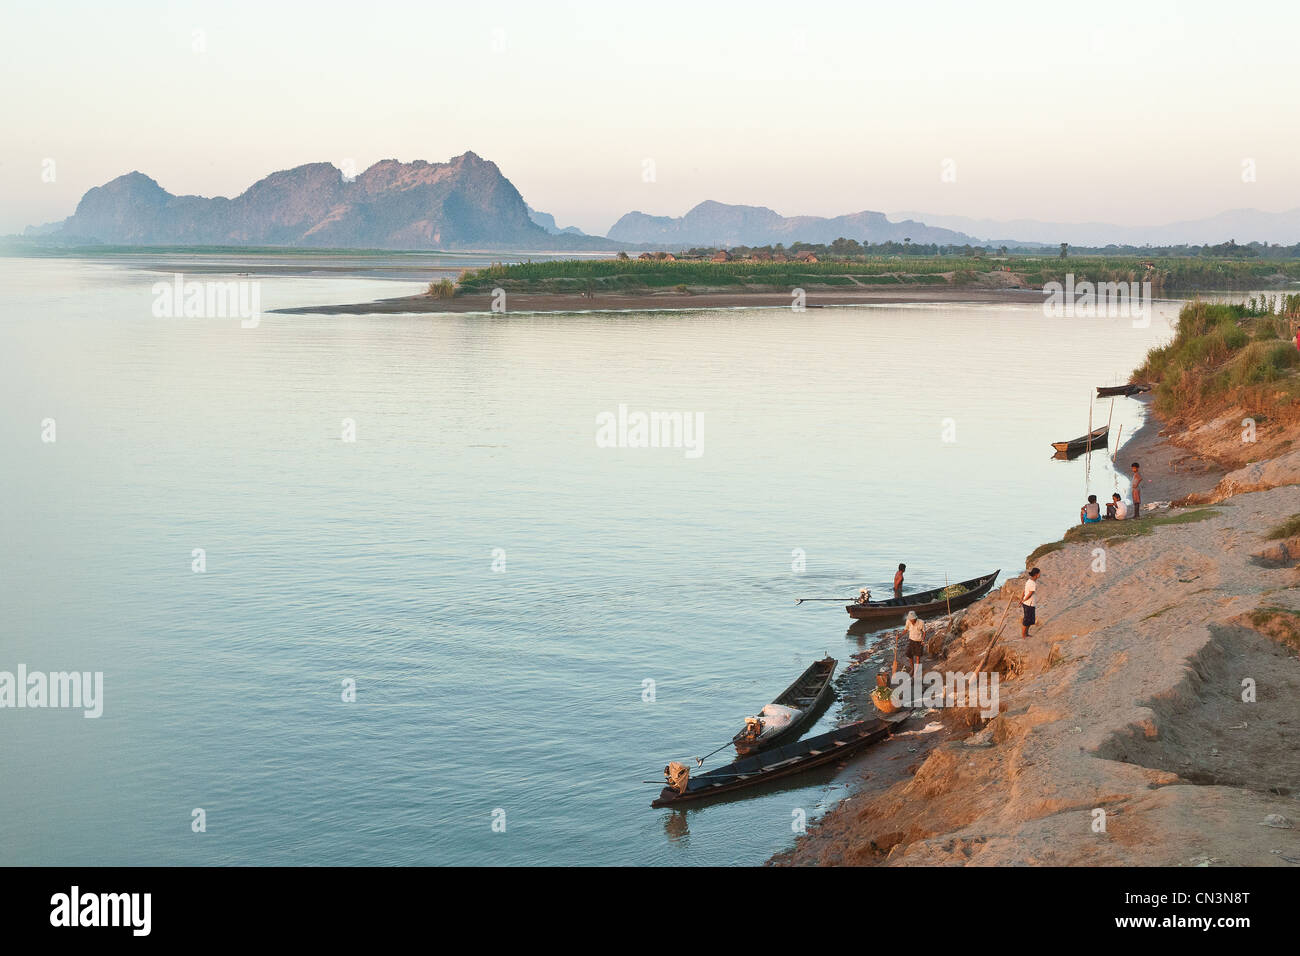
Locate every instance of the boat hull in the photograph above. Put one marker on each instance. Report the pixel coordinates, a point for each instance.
(780, 762)
(810, 693)
(925, 604)
(1125, 391)
(1077, 446)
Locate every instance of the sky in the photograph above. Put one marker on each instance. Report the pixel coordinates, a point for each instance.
(1136, 113)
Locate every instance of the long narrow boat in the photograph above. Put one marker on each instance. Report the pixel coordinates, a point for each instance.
(925, 603)
(1081, 444)
(1132, 388)
(791, 712)
(779, 762)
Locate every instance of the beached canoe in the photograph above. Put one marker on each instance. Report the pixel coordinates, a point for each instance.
(782, 761)
(791, 713)
(1132, 388)
(925, 603)
(1076, 446)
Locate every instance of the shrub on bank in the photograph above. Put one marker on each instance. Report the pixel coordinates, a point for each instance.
(1219, 349)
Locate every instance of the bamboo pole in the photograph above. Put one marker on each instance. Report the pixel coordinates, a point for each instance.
(996, 635)
(1087, 465)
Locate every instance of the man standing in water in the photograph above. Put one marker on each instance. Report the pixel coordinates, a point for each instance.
(1136, 489)
(898, 580)
(1029, 603)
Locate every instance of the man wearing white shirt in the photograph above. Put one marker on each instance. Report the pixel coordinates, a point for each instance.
(1029, 603)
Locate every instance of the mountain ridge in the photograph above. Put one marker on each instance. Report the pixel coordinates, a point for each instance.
(464, 203)
(712, 223)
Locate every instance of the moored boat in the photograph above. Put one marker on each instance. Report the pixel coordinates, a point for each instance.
(791, 712)
(1132, 388)
(773, 764)
(1096, 439)
(926, 603)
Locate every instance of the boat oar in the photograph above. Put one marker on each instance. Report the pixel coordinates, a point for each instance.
(849, 600)
(699, 761)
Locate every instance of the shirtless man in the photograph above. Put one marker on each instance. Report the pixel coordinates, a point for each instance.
(898, 580)
(1136, 489)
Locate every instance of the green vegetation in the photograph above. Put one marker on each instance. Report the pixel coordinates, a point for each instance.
(1114, 531)
(1226, 350)
(774, 268)
(1108, 532)
(1041, 550)
(1287, 529)
(442, 289)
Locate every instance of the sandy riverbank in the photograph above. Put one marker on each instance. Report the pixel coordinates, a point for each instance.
(517, 302)
(1126, 698)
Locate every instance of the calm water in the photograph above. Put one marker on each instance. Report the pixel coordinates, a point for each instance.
(477, 690)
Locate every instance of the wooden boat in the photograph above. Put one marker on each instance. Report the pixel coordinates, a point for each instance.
(1081, 444)
(924, 603)
(782, 761)
(793, 711)
(1132, 388)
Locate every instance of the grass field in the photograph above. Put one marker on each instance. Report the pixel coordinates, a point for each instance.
(633, 275)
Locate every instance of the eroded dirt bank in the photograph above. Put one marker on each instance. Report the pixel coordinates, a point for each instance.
(1127, 698)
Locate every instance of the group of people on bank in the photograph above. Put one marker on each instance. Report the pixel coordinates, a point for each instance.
(1116, 510)
(1091, 512)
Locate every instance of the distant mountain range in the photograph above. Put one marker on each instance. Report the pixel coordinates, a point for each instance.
(718, 224)
(547, 222)
(466, 203)
(1244, 225)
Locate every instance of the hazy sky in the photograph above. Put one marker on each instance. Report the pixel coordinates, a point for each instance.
(1137, 112)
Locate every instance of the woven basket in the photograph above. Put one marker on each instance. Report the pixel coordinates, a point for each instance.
(885, 706)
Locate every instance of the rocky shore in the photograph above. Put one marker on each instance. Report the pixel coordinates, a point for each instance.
(1151, 717)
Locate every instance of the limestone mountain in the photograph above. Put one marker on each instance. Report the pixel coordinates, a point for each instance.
(463, 203)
